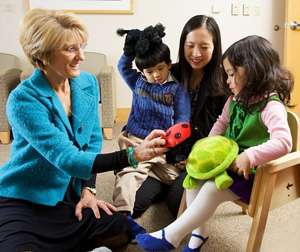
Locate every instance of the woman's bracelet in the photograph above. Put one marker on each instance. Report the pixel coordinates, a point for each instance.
(131, 159)
(91, 190)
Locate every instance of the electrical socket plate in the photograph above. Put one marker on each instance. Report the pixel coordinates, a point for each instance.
(256, 10)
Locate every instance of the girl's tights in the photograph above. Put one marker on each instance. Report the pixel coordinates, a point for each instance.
(201, 204)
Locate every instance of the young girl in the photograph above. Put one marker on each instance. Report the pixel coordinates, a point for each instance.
(159, 101)
(255, 117)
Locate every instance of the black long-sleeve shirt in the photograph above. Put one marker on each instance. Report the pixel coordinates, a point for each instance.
(110, 162)
(205, 109)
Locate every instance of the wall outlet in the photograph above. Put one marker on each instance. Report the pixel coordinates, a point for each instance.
(256, 10)
(7, 8)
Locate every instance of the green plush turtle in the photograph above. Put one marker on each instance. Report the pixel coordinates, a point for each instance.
(209, 159)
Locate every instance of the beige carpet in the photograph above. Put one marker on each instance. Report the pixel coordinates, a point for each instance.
(228, 228)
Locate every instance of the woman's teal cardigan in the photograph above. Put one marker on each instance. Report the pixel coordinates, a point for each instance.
(48, 148)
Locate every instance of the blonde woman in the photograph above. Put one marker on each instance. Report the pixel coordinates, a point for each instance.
(47, 199)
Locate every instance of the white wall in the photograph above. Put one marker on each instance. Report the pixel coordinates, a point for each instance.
(171, 13)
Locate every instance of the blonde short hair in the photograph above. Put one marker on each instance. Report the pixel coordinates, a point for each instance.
(43, 30)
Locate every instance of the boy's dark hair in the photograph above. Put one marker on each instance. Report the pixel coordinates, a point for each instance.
(146, 46)
(263, 71)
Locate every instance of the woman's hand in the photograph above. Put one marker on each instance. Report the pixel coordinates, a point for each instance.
(89, 200)
(151, 147)
(242, 165)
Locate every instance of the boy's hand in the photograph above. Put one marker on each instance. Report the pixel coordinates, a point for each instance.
(181, 165)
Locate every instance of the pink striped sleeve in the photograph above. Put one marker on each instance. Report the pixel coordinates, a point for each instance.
(274, 116)
(221, 124)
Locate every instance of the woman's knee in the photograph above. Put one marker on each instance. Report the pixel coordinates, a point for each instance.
(117, 232)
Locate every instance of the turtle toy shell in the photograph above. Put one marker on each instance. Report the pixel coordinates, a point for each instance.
(211, 156)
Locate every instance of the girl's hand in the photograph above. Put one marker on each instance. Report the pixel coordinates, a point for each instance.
(89, 200)
(241, 165)
(151, 146)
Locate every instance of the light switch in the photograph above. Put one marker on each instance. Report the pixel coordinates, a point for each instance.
(246, 9)
(235, 9)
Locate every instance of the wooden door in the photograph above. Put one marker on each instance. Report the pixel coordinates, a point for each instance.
(292, 48)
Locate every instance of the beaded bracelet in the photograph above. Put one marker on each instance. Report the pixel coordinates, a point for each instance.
(130, 155)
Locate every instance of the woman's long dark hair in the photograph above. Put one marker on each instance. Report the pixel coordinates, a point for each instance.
(263, 71)
(212, 71)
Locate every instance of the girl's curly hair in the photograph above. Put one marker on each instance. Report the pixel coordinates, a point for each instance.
(263, 71)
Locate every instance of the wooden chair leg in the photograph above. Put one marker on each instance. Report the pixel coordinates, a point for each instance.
(243, 205)
(182, 205)
(244, 210)
(260, 216)
(108, 133)
(5, 137)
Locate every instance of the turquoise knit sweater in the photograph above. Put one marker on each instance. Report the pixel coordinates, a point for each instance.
(48, 150)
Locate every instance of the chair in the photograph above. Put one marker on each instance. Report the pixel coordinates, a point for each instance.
(96, 64)
(9, 79)
(276, 183)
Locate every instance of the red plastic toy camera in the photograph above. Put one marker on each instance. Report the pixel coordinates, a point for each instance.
(177, 134)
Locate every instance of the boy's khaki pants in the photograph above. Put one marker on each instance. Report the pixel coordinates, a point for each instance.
(129, 179)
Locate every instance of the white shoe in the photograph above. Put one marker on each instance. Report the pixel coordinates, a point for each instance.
(101, 249)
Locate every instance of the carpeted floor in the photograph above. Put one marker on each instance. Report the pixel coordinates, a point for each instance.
(228, 229)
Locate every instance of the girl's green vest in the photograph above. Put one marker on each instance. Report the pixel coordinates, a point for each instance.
(246, 126)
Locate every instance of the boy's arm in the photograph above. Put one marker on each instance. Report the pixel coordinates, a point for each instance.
(182, 105)
(129, 74)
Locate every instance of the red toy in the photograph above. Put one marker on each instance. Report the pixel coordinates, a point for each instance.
(177, 134)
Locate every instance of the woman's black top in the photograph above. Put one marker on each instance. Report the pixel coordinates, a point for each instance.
(206, 108)
(110, 162)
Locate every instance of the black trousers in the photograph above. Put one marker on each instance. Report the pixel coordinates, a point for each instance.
(25, 226)
(152, 190)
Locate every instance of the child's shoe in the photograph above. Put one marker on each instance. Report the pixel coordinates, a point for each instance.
(187, 249)
(152, 244)
(135, 227)
(101, 249)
